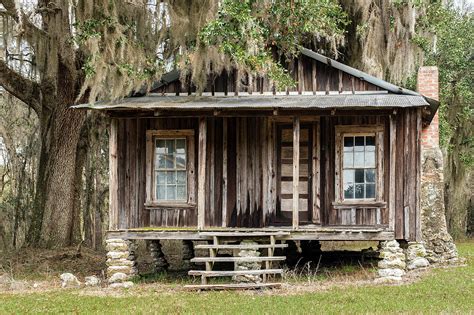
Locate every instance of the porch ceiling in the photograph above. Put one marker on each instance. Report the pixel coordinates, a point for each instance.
(263, 102)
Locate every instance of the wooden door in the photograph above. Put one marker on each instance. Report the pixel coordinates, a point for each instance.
(285, 174)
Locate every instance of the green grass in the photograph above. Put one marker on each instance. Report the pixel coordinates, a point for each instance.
(444, 290)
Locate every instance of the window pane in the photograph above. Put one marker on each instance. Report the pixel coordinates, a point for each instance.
(370, 159)
(359, 191)
(160, 146)
(348, 156)
(169, 161)
(370, 176)
(169, 147)
(160, 192)
(161, 178)
(348, 143)
(180, 146)
(370, 191)
(181, 192)
(181, 177)
(359, 144)
(370, 143)
(348, 176)
(359, 175)
(170, 192)
(349, 191)
(358, 159)
(171, 178)
(170, 169)
(181, 161)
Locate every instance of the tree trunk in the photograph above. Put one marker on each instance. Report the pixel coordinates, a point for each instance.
(55, 221)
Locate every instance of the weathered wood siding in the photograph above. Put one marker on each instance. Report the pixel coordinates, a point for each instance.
(248, 197)
(310, 75)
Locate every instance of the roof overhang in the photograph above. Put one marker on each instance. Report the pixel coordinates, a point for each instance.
(263, 102)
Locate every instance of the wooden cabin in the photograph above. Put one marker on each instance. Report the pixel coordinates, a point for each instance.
(335, 158)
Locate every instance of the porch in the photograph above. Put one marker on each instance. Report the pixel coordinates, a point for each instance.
(303, 233)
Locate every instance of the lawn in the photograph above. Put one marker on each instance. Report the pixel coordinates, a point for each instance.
(442, 290)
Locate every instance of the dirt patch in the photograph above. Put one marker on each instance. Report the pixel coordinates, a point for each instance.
(43, 264)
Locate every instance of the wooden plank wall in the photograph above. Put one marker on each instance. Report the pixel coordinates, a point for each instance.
(310, 75)
(251, 173)
(330, 215)
(408, 168)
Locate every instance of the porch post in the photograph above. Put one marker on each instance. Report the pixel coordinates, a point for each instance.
(296, 170)
(202, 172)
(113, 176)
(224, 172)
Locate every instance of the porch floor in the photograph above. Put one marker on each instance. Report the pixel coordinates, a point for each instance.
(307, 232)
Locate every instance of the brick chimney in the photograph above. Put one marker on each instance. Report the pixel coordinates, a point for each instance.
(427, 85)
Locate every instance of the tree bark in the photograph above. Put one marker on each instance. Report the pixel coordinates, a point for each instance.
(55, 221)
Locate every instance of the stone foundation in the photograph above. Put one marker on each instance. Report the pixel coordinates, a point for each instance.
(188, 254)
(121, 262)
(160, 263)
(392, 264)
(248, 265)
(415, 256)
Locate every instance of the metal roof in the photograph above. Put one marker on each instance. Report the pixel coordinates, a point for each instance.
(158, 101)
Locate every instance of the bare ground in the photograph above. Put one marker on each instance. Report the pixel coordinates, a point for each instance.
(34, 270)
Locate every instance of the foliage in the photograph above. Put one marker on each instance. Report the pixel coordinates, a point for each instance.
(453, 54)
(450, 48)
(19, 134)
(249, 31)
(443, 290)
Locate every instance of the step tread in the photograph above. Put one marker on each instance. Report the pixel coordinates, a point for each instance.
(238, 259)
(240, 246)
(223, 273)
(244, 234)
(231, 286)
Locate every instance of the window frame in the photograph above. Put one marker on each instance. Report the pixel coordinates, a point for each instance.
(354, 131)
(151, 137)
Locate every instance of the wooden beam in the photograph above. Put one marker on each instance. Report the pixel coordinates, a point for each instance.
(202, 172)
(236, 82)
(300, 76)
(418, 236)
(250, 84)
(340, 82)
(314, 79)
(113, 175)
(316, 158)
(296, 170)
(224, 172)
(393, 159)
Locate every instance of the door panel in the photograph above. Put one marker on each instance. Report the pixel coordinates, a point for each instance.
(285, 174)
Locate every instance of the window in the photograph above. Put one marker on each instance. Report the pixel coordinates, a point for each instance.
(358, 174)
(170, 167)
(359, 163)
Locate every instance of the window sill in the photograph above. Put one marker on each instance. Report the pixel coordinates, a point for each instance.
(150, 205)
(359, 204)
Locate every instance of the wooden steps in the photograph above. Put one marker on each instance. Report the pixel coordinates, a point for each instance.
(232, 286)
(243, 234)
(240, 246)
(237, 259)
(229, 273)
(252, 279)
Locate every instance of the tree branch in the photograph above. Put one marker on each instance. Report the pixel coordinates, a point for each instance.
(24, 89)
(12, 11)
